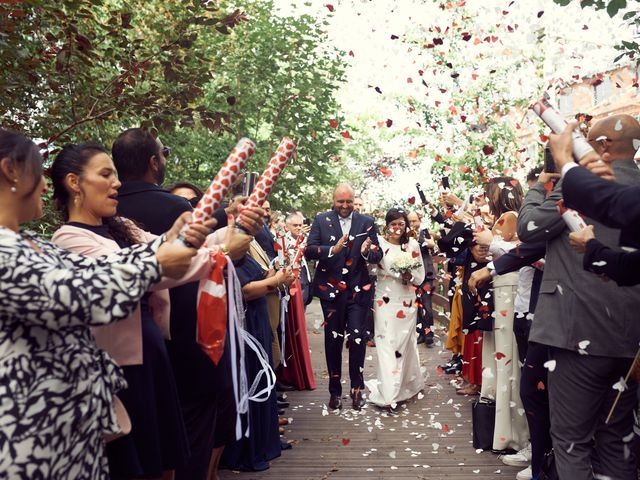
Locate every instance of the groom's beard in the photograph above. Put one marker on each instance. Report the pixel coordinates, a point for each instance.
(337, 210)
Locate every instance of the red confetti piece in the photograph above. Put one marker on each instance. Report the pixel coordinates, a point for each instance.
(346, 441)
(345, 134)
(330, 7)
(500, 355)
(385, 171)
(487, 150)
(333, 123)
(541, 385)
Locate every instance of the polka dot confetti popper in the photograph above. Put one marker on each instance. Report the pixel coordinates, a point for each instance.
(271, 173)
(226, 177)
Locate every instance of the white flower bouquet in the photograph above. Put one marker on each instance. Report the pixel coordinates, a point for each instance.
(404, 263)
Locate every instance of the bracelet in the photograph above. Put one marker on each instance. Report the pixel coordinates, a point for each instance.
(224, 249)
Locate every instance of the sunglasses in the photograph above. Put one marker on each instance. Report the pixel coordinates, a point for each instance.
(166, 151)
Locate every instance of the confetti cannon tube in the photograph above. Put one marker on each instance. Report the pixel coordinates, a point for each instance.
(226, 177)
(571, 217)
(271, 173)
(555, 122)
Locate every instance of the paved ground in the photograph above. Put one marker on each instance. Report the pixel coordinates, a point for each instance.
(429, 438)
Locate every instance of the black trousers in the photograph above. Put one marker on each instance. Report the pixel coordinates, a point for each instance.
(343, 318)
(581, 393)
(425, 307)
(535, 399)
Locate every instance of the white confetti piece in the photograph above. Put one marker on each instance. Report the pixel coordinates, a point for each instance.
(620, 385)
(392, 454)
(550, 365)
(618, 126)
(531, 226)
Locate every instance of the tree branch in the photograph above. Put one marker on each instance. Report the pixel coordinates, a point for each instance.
(80, 122)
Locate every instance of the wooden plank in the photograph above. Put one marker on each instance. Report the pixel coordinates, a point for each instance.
(428, 437)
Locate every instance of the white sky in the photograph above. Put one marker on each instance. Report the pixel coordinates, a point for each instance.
(365, 28)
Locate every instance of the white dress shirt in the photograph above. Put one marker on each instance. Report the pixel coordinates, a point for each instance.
(345, 223)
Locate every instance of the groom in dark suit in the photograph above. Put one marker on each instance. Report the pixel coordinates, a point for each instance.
(343, 241)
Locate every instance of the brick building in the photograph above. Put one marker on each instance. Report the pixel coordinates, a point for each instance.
(614, 91)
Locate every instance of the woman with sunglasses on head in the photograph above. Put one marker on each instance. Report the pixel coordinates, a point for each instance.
(395, 313)
(500, 360)
(57, 386)
(85, 190)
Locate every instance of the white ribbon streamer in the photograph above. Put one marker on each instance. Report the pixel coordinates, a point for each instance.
(238, 336)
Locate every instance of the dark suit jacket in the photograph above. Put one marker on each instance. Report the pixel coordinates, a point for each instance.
(521, 256)
(573, 304)
(155, 208)
(614, 205)
(610, 203)
(620, 266)
(266, 241)
(429, 271)
(347, 271)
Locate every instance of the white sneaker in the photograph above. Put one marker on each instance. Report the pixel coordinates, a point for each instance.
(520, 459)
(525, 474)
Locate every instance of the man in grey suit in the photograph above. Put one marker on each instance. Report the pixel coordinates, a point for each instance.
(591, 327)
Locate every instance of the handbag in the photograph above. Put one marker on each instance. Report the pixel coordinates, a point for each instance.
(122, 417)
(548, 470)
(483, 416)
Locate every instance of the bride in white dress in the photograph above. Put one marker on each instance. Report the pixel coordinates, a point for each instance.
(395, 312)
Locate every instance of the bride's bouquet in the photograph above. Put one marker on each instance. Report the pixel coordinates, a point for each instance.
(404, 263)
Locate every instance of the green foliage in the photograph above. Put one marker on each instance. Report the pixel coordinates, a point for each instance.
(276, 78)
(613, 7)
(198, 74)
(80, 69)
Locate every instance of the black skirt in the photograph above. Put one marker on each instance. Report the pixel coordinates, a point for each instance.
(158, 439)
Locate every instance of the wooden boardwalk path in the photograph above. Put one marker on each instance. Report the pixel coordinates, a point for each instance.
(428, 438)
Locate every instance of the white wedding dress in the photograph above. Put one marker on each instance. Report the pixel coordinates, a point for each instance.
(395, 312)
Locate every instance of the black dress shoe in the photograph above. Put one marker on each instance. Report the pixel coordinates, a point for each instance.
(335, 402)
(283, 387)
(283, 404)
(358, 401)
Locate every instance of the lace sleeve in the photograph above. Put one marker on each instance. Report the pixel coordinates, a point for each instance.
(57, 288)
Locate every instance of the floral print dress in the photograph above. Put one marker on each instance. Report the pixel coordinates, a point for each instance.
(56, 386)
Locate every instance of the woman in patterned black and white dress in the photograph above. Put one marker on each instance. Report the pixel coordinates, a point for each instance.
(56, 386)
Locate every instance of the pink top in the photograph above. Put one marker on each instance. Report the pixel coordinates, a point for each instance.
(123, 339)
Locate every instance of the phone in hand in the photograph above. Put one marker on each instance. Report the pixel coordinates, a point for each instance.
(423, 197)
(249, 181)
(445, 183)
(549, 163)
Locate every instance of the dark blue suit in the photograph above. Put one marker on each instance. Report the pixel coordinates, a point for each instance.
(343, 285)
(614, 205)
